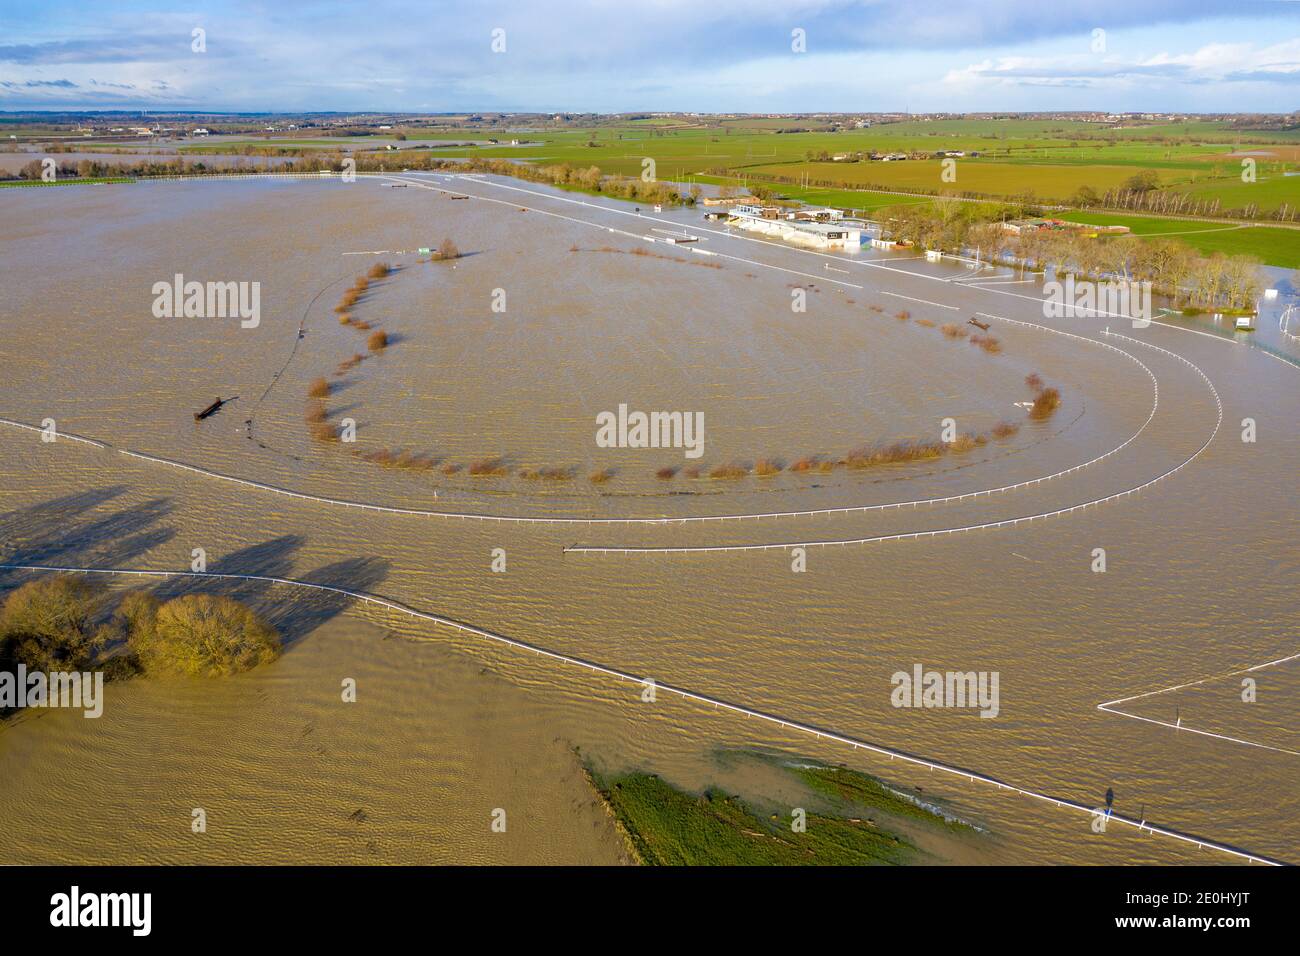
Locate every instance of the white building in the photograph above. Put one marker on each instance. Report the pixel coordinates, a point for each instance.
(802, 231)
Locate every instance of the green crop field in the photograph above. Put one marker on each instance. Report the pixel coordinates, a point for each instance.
(1046, 182)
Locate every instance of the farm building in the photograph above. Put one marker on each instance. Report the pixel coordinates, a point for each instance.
(1018, 226)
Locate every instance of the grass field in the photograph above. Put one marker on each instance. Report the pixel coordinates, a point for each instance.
(669, 827)
(1046, 182)
(862, 200)
(1273, 245)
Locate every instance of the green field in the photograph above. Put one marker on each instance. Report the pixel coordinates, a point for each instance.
(863, 201)
(1273, 245)
(1043, 161)
(1043, 182)
(862, 825)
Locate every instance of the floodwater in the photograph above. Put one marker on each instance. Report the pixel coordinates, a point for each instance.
(1201, 567)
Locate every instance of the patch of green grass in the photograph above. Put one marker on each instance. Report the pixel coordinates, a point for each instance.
(1273, 245)
(862, 200)
(668, 827)
(861, 790)
(1043, 181)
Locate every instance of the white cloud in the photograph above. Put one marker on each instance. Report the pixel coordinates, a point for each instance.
(1212, 63)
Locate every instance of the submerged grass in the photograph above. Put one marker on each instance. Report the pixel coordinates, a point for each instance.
(669, 827)
(862, 790)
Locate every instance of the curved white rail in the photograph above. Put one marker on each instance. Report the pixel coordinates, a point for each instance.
(902, 536)
(687, 519)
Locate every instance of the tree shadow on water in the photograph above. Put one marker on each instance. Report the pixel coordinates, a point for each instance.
(77, 530)
(72, 531)
(294, 611)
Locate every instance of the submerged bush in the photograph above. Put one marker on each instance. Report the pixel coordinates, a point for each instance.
(197, 635)
(488, 468)
(378, 341)
(728, 472)
(379, 270)
(319, 388)
(895, 453)
(953, 331)
(1005, 429)
(323, 431)
(54, 623)
(1047, 402)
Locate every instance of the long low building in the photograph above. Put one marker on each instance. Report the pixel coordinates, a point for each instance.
(796, 226)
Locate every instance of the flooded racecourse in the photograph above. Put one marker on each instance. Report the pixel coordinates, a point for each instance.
(1138, 539)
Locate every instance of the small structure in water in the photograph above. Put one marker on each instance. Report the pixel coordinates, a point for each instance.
(210, 410)
(982, 326)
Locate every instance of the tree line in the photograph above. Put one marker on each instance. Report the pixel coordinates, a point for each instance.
(1173, 268)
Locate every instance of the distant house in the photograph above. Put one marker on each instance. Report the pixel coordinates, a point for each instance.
(757, 212)
(816, 214)
(1020, 226)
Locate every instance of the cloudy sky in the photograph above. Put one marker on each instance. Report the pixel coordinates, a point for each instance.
(625, 55)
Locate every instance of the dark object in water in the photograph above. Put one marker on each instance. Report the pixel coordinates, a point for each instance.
(210, 410)
(982, 326)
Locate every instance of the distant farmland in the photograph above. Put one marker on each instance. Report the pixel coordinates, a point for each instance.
(1273, 245)
(1049, 182)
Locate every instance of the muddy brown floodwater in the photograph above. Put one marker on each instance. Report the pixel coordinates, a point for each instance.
(1201, 566)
